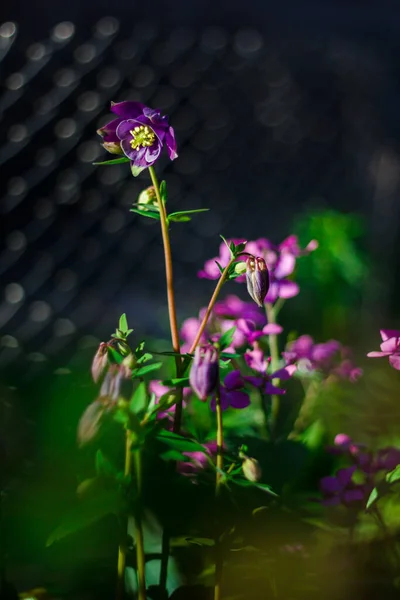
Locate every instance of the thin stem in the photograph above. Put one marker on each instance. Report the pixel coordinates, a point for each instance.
(274, 350)
(391, 543)
(170, 294)
(122, 546)
(218, 489)
(140, 556)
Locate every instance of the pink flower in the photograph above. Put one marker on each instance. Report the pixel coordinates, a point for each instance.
(390, 347)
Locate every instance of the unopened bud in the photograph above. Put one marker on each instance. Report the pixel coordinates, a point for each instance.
(89, 424)
(257, 279)
(112, 147)
(100, 361)
(147, 198)
(240, 267)
(204, 372)
(251, 469)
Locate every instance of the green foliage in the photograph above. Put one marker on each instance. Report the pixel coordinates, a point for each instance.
(113, 161)
(149, 212)
(138, 400)
(226, 338)
(185, 215)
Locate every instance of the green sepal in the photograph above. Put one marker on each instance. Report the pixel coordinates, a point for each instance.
(163, 191)
(146, 213)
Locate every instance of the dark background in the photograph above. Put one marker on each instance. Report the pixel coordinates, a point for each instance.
(278, 109)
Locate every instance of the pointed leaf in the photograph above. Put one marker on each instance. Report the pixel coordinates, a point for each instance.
(177, 382)
(373, 497)
(146, 369)
(146, 213)
(394, 475)
(185, 215)
(226, 338)
(138, 401)
(104, 466)
(123, 323)
(178, 442)
(85, 513)
(114, 161)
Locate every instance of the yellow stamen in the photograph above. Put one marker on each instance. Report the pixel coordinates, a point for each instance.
(142, 136)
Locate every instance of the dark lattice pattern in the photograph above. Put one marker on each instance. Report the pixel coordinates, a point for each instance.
(263, 126)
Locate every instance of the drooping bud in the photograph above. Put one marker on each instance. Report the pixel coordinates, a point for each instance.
(257, 279)
(112, 147)
(204, 372)
(251, 469)
(100, 361)
(90, 421)
(147, 198)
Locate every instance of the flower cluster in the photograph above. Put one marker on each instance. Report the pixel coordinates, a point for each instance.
(370, 466)
(330, 358)
(280, 261)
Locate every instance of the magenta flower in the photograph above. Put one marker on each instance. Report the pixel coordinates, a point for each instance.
(263, 381)
(211, 270)
(340, 489)
(235, 308)
(280, 260)
(197, 461)
(329, 357)
(140, 133)
(159, 390)
(390, 347)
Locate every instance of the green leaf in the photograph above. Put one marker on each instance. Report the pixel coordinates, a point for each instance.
(144, 358)
(86, 513)
(172, 454)
(373, 497)
(163, 191)
(177, 382)
(147, 369)
(146, 213)
(114, 161)
(115, 355)
(227, 245)
(191, 541)
(123, 323)
(220, 267)
(184, 215)
(178, 442)
(240, 247)
(139, 399)
(226, 338)
(104, 466)
(230, 355)
(261, 486)
(394, 475)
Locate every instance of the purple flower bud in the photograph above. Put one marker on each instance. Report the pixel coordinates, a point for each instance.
(257, 279)
(100, 361)
(205, 370)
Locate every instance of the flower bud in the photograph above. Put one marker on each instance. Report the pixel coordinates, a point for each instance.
(89, 424)
(257, 279)
(205, 370)
(112, 147)
(100, 361)
(251, 469)
(147, 198)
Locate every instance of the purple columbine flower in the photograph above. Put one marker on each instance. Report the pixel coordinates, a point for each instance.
(256, 360)
(390, 347)
(204, 371)
(257, 279)
(235, 308)
(340, 489)
(140, 133)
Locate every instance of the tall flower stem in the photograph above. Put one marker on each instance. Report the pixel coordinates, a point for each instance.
(122, 547)
(218, 489)
(173, 323)
(170, 294)
(140, 556)
(274, 350)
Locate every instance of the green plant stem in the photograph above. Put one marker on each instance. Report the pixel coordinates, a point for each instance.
(122, 547)
(274, 350)
(218, 489)
(170, 295)
(140, 556)
(210, 306)
(391, 543)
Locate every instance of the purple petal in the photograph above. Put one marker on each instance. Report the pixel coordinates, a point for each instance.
(108, 131)
(288, 289)
(210, 271)
(224, 399)
(395, 362)
(390, 345)
(272, 390)
(171, 144)
(389, 333)
(378, 354)
(329, 485)
(272, 328)
(285, 373)
(355, 495)
(233, 380)
(258, 382)
(285, 266)
(238, 399)
(127, 109)
(344, 476)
